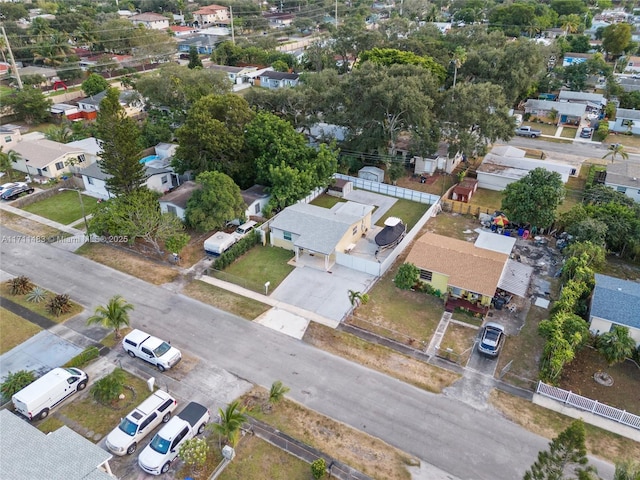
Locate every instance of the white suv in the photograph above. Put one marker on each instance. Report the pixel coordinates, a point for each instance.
(139, 423)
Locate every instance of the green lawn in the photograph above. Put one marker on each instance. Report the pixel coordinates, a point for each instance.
(39, 308)
(568, 132)
(410, 212)
(543, 127)
(237, 304)
(487, 198)
(15, 330)
(101, 419)
(327, 201)
(63, 208)
(258, 266)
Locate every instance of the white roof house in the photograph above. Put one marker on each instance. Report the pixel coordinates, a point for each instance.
(586, 98)
(26, 452)
(615, 302)
(161, 180)
(90, 145)
(303, 227)
(624, 176)
(505, 165)
(45, 159)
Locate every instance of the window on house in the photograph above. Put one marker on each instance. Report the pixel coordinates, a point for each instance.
(81, 158)
(90, 180)
(627, 122)
(355, 230)
(7, 139)
(165, 179)
(257, 208)
(287, 235)
(171, 209)
(426, 275)
(59, 165)
(573, 172)
(622, 189)
(456, 292)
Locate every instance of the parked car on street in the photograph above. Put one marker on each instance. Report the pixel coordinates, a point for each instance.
(528, 132)
(151, 349)
(12, 193)
(491, 339)
(586, 132)
(140, 422)
(6, 186)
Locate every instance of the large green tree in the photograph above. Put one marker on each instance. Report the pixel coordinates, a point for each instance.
(534, 198)
(565, 459)
(212, 138)
(135, 216)
(215, 203)
(94, 84)
(390, 56)
(119, 138)
(178, 88)
(30, 105)
(616, 38)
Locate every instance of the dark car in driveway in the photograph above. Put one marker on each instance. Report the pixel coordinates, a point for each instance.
(12, 193)
(491, 340)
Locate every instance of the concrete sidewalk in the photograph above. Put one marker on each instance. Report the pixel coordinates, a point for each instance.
(301, 312)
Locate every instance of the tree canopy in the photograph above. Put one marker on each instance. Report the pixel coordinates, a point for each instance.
(534, 198)
(215, 203)
(391, 56)
(94, 84)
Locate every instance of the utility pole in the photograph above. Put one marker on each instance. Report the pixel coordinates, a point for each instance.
(336, 13)
(233, 36)
(11, 59)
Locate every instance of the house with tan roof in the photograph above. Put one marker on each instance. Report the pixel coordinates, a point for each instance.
(153, 21)
(45, 159)
(466, 274)
(211, 14)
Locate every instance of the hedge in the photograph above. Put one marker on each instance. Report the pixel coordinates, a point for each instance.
(83, 358)
(237, 250)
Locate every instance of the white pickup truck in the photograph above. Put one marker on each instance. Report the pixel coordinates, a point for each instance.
(156, 458)
(151, 349)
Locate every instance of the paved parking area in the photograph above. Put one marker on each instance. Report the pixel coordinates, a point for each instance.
(321, 292)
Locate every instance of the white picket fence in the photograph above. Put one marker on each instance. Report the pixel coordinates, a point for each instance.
(593, 406)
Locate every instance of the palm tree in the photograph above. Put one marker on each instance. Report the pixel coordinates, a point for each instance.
(59, 133)
(53, 50)
(277, 392)
(615, 150)
(7, 159)
(458, 57)
(571, 23)
(114, 315)
(616, 345)
(231, 420)
(357, 298)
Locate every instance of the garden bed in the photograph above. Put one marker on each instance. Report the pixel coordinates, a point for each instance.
(39, 308)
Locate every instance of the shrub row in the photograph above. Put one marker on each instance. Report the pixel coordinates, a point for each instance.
(237, 250)
(84, 357)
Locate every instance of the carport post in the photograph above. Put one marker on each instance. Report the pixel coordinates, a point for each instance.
(266, 288)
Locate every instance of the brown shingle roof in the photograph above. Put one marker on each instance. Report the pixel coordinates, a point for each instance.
(181, 195)
(467, 266)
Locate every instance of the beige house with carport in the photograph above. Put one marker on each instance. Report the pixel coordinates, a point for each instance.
(45, 159)
(312, 230)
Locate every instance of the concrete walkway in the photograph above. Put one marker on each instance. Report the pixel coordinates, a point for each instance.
(301, 312)
(439, 334)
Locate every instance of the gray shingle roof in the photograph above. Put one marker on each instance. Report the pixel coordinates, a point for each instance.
(26, 452)
(581, 96)
(181, 195)
(280, 75)
(616, 300)
(563, 108)
(623, 173)
(41, 153)
(628, 113)
(94, 171)
(320, 229)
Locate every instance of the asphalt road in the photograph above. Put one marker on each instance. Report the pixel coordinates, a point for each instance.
(468, 443)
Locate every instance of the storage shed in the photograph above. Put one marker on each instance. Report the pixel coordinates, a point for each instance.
(374, 174)
(340, 188)
(465, 190)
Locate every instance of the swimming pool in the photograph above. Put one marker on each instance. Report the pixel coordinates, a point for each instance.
(149, 158)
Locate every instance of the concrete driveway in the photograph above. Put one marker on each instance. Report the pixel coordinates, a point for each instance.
(41, 353)
(324, 293)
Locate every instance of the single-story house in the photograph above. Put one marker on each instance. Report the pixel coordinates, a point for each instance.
(165, 150)
(633, 64)
(625, 178)
(271, 79)
(205, 44)
(591, 100)
(10, 135)
(237, 75)
(506, 164)
(45, 159)
(615, 302)
(340, 188)
(181, 30)
(129, 100)
(440, 161)
(153, 21)
(86, 63)
(176, 201)
(49, 452)
(373, 174)
(306, 228)
(465, 190)
(49, 74)
(321, 131)
(210, 14)
(566, 113)
(571, 58)
(627, 120)
(279, 20)
(161, 180)
(91, 146)
(65, 111)
(466, 274)
(256, 198)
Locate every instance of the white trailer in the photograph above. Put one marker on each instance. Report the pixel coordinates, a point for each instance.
(38, 398)
(218, 243)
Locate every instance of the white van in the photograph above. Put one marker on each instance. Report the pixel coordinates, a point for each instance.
(244, 229)
(35, 400)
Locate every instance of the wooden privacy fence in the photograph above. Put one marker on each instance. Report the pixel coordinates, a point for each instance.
(463, 208)
(593, 406)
